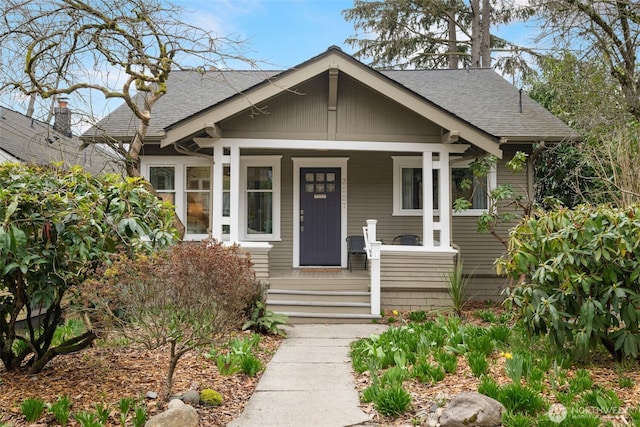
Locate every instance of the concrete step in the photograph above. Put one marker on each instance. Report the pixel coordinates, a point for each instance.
(305, 295)
(298, 318)
(319, 307)
(356, 284)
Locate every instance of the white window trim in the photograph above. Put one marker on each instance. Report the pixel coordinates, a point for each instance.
(260, 161)
(180, 163)
(400, 162)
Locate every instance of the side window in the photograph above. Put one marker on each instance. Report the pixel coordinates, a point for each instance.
(163, 179)
(198, 199)
(260, 201)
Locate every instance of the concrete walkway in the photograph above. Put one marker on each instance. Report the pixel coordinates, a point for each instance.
(309, 381)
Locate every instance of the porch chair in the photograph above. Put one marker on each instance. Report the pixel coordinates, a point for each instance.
(356, 246)
(407, 239)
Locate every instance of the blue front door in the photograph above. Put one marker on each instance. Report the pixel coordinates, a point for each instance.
(320, 216)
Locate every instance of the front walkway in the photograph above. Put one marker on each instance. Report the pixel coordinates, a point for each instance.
(309, 381)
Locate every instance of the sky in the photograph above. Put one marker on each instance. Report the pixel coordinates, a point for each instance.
(282, 33)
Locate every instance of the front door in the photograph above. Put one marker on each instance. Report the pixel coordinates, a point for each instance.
(320, 216)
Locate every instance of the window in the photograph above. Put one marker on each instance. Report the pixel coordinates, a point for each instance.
(163, 179)
(407, 187)
(260, 202)
(186, 183)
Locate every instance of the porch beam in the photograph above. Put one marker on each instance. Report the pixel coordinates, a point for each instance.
(286, 144)
(213, 130)
(204, 142)
(451, 137)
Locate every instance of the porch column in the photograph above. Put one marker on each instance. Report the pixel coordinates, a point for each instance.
(427, 199)
(234, 208)
(218, 182)
(374, 258)
(444, 200)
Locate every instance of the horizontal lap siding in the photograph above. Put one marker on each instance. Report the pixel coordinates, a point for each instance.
(260, 261)
(416, 271)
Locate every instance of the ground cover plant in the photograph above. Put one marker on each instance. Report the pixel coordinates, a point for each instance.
(495, 356)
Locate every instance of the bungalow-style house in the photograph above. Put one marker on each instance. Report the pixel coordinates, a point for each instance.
(25, 139)
(290, 164)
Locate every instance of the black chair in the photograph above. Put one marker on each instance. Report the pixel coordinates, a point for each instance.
(356, 246)
(407, 239)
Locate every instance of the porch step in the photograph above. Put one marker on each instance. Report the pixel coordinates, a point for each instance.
(332, 307)
(358, 284)
(316, 296)
(298, 318)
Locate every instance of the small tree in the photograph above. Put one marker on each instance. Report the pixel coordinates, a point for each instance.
(187, 297)
(577, 275)
(54, 226)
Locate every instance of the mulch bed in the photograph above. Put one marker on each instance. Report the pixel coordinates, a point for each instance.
(105, 375)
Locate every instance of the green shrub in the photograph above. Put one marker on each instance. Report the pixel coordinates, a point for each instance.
(102, 413)
(509, 419)
(265, 321)
(518, 366)
(486, 316)
(418, 316)
(124, 405)
(210, 397)
(427, 373)
(626, 382)
(370, 393)
(394, 376)
(577, 271)
(483, 344)
(448, 361)
(139, 416)
(88, 419)
(605, 400)
(489, 387)
(520, 399)
(392, 401)
(499, 333)
(457, 284)
(61, 410)
(477, 363)
(32, 409)
(250, 365)
(580, 382)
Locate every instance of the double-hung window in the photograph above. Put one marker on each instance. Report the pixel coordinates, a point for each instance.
(260, 199)
(408, 187)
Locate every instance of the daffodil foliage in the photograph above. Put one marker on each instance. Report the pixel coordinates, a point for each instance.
(576, 276)
(55, 226)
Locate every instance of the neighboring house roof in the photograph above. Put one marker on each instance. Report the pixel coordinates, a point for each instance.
(25, 139)
(479, 98)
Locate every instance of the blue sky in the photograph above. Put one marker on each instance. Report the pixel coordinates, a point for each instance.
(282, 33)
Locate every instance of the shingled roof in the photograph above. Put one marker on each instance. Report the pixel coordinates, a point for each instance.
(26, 139)
(479, 97)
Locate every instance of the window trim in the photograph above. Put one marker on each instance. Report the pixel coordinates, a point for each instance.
(401, 162)
(274, 162)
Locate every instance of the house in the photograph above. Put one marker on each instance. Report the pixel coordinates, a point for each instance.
(289, 164)
(25, 139)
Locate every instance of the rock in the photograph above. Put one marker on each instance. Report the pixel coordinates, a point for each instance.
(151, 395)
(178, 414)
(191, 397)
(472, 409)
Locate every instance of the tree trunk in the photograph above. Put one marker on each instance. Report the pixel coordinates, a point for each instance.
(485, 34)
(475, 34)
(453, 42)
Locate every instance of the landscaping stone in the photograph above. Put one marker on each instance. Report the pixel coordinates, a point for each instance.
(472, 409)
(191, 397)
(151, 395)
(178, 414)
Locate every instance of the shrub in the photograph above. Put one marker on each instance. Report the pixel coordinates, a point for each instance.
(265, 321)
(510, 419)
(56, 225)
(392, 401)
(210, 397)
(520, 399)
(448, 361)
(32, 409)
(418, 316)
(577, 272)
(477, 363)
(250, 365)
(88, 419)
(457, 284)
(189, 296)
(61, 410)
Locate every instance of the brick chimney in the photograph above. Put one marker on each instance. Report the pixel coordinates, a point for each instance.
(62, 117)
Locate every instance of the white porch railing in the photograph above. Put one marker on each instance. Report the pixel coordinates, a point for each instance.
(372, 246)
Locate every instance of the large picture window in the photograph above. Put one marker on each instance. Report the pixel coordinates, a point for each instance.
(407, 187)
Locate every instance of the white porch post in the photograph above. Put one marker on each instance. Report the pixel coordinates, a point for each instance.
(427, 199)
(444, 200)
(218, 179)
(234, 214)
(375, 266)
